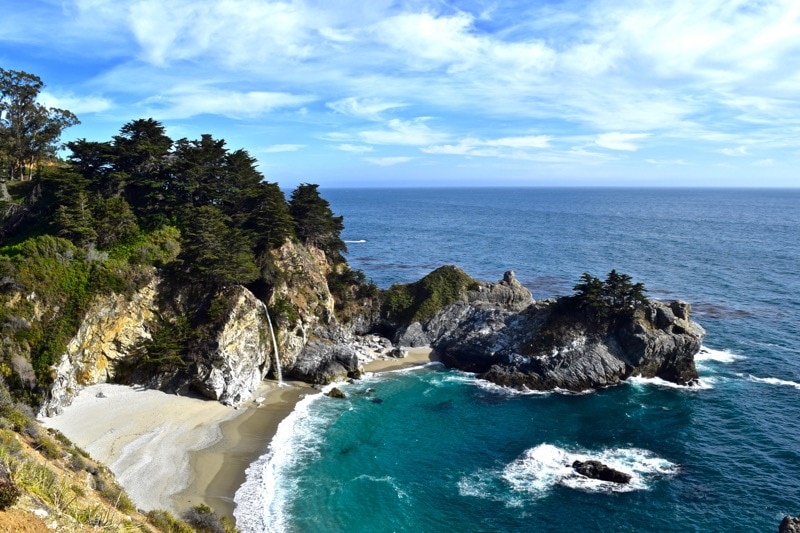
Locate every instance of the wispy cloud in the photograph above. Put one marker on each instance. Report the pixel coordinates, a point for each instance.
(368, 108)
(510, 147)
(388, 161)
(404, 132)
(739, 151)
(186, 102)
(355, 148)
(76, 104)
(667, 162)
(278, 148)
(620, 141)
(711, 78)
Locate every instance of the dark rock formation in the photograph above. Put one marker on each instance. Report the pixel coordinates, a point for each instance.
(553, 345)
(507, 294)
(790, 524)
(336, 393)
(597, 470)
(325, 363)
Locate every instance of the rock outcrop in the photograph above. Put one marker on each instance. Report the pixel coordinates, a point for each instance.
(547, 347)
(112, 326)
(240, 356)
(790, 524)
(507, 295)
(301, 299)
(597, 470)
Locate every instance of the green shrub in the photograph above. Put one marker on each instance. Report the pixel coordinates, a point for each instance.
(420, 301)
(164, 521)
(9, 491)
(49, 447)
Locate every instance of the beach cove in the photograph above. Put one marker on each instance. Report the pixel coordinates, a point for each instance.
(176, 452)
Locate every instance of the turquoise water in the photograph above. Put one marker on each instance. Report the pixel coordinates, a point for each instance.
(443, 451)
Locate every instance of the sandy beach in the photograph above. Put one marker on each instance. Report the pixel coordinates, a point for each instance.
(174, 452)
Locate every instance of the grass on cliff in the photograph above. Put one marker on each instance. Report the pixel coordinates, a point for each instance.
(419, 301)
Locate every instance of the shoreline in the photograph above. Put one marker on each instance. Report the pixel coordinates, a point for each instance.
(174, 452)
(219, 470)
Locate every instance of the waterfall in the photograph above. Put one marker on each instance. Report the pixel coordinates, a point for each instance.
(274, 345)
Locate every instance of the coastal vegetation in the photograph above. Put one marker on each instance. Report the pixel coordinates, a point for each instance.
(104, 219)
(419, 301)
(100, 220)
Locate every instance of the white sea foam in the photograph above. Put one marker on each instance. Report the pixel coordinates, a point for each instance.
(359, 241)
(261, 500)
(719, 356)
(773, 381)
(639, 381)
(389, 480)
(543, 467)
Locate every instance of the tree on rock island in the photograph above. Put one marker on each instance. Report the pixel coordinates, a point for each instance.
(617, 294)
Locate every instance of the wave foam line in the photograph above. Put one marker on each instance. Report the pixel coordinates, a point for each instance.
(639, 381)
(773, 381)
(719, 356)
(359, 241)
(261, 501)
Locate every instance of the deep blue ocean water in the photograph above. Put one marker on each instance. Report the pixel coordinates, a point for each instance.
(446, 452)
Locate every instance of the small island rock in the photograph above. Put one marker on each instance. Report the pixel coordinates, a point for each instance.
(336, 393)
(597, 470)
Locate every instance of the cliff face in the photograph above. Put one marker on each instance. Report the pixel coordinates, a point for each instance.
(232, 354)
(543, 348)
(302, 303)
(111, 328)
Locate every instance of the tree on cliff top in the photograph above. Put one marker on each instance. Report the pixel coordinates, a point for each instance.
(29, 131)
(314, 221)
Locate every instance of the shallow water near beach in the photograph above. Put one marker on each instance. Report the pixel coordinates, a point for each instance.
(432, 449)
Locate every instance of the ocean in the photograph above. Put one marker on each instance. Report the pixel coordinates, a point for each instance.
(444, 451)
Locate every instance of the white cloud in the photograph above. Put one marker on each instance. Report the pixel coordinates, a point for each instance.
(192, 101)
(76, 104)
(388, 161)
(355, 148)
(278, 148)
(714, 74)
(336, 136)
(400, 132)
(508, 147)
(666, 162)
(764, 163)
(620, 141)
(366, 108)
(739, 151)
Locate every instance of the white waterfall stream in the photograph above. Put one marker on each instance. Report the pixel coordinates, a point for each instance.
(274, 346)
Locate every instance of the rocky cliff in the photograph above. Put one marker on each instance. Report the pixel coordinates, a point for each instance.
(229, 350)
(421, 329)
(548, 346)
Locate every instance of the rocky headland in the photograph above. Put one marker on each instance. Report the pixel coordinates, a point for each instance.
(498, 331)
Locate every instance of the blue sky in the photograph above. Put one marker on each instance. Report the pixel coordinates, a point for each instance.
(424, 92)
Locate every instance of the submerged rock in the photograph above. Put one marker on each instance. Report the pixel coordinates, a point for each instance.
(597, 470)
